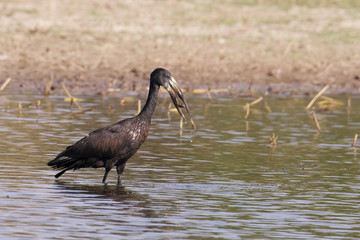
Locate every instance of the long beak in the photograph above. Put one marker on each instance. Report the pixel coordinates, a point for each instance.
(175, 92)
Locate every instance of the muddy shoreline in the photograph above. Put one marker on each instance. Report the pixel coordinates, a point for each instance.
(249, 47)
(109, 83)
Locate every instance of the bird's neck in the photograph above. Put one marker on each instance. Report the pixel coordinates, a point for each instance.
(150, 104)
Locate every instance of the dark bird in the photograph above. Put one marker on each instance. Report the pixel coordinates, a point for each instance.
(113, 145)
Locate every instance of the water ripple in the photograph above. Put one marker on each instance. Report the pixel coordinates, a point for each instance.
(222, 181)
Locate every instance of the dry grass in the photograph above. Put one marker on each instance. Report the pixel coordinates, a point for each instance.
(94, 46)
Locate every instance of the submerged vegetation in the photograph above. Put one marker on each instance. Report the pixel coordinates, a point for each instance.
(319, 104)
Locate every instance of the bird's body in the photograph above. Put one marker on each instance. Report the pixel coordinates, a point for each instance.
(105, 147)
(113, 145)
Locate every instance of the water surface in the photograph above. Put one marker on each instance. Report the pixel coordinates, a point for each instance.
(222, 181)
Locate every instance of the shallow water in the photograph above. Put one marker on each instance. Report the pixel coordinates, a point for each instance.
(222, 181)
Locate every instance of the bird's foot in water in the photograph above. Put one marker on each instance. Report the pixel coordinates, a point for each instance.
(119, 181)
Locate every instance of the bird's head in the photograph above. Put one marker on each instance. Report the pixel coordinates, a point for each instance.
(162, 77)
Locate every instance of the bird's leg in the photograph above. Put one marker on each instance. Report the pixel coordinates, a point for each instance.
(107, 170)
(120, 169)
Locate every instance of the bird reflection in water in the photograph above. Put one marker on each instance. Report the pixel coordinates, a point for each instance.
(117, 192)
(114, 197)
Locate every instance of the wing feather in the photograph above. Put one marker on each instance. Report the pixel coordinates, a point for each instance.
(118, 141)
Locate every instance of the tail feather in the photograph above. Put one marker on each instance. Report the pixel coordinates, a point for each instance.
(62, 162)
(68, 163)
(67, 160)
(60, 173)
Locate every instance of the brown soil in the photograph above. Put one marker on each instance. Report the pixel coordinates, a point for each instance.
(97, 47)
